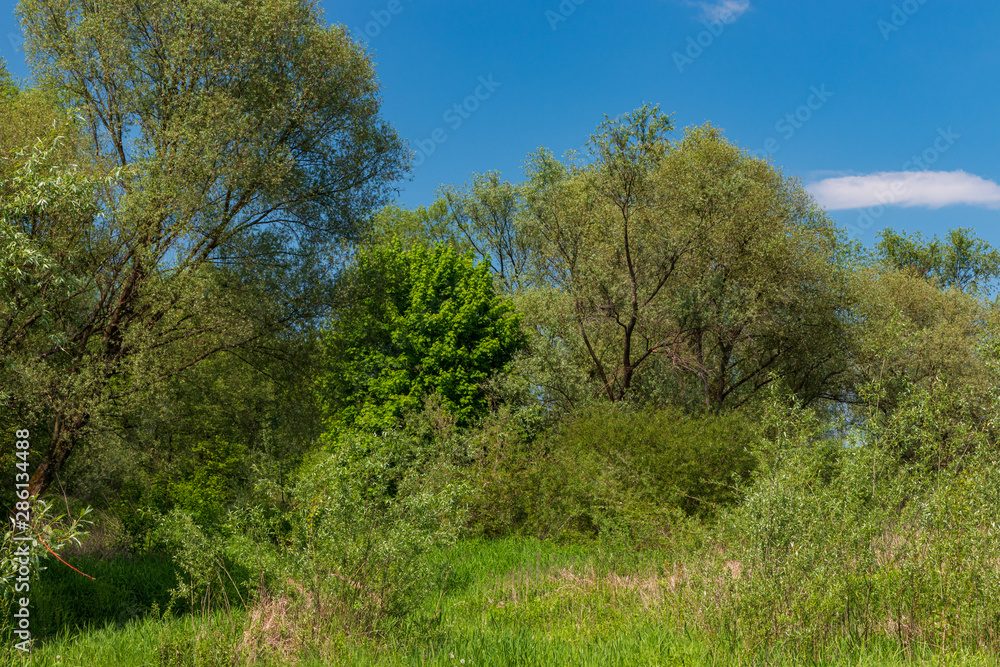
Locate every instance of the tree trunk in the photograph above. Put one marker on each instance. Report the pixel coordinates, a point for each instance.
(65, 433)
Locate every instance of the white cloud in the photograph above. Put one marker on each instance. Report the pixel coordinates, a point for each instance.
(932, 189)
(726, 11)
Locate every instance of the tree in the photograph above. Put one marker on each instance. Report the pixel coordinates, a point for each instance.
(761, 295)
(207, 436)
(415, 322)
(905, 332)
(921, 322)
(961, 261)
(228, 138)
(425, 224)
(688, 261)
(488, 214)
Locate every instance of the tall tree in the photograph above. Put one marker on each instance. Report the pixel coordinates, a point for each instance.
(488, 214)
(686, 261)
(693, 253)
(230, 135)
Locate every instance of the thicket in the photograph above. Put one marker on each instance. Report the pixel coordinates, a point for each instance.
(613, 470)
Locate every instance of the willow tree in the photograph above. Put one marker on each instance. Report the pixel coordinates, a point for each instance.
(683, 264)
(714, 267)
(224, 139)
(960, 261)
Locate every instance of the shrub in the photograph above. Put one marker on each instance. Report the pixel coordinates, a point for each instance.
(204, 580)
(361, 528)
(610, 469)
(56, 530)
(846, 534)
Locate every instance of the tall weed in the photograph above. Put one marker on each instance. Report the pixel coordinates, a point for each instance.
(884, 531)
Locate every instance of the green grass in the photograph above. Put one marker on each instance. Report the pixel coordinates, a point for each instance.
(146, 641)
(507, 602)
(123, 589)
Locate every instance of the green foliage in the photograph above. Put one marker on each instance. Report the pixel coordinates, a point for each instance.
(203, 580)
(416, 322)
(206, 440)
(8, 89)
(683, 271)
(122, 590)
(488, 214)
(208, 481)
(696, 462)
(624, 473)
(424, 225)
(39, 195)
(56, 530)
(361, 528)
(231, 196)
(169, 327)
(904, 330)
(508, 602)
(504, 471)
(961, 261)
(842, 537)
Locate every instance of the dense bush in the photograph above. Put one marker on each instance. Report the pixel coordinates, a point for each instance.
(610, 469)
(420, 321)
(348, 559)
(361, 529)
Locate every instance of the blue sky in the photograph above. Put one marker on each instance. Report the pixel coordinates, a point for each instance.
(885, 110)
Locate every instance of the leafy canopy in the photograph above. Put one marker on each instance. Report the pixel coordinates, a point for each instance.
(960, 260)
(416, 322)
(223, 150)
(667, 270)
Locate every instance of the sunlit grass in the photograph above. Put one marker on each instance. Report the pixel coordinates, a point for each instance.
(512, 602)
